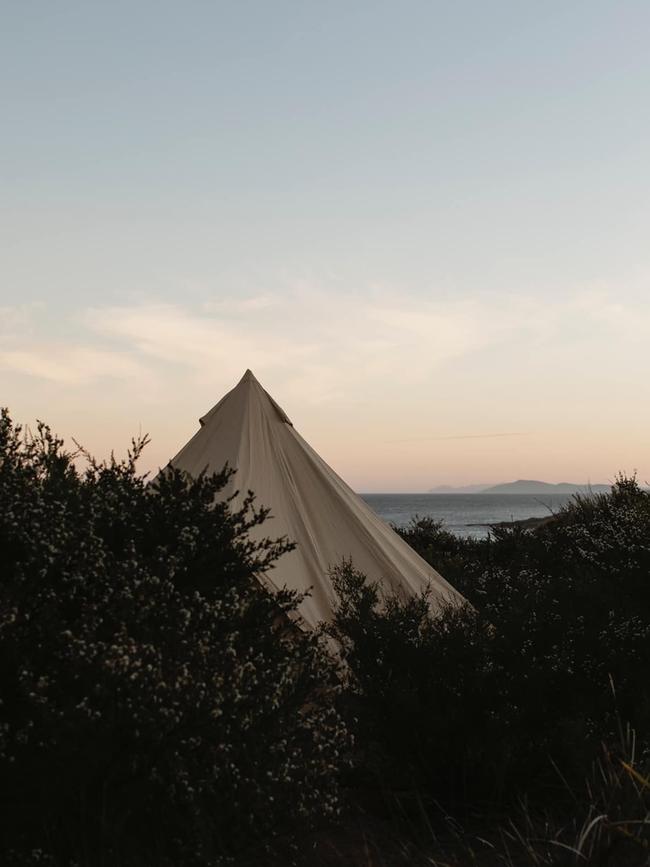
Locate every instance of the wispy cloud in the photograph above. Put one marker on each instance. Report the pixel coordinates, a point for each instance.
(481, 436)
(320, 345)
(16, 320)
(70, 366)
(308, 338)
(416, 377)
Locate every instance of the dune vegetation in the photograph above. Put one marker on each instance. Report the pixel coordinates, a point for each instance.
(158, 706)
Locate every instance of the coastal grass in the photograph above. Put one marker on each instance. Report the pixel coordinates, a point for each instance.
(606, 824)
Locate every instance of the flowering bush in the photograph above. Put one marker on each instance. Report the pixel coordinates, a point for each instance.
(156, 706)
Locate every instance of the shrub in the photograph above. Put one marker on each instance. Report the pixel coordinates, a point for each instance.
(476, 706)
(451, 554)
(419, 690)
(156, 708)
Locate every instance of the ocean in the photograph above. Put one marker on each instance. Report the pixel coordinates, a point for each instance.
(460, 511)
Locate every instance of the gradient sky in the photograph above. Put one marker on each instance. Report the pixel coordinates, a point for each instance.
(424, 225)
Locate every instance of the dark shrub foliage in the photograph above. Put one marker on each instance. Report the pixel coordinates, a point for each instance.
(416, 684)
(473, 706)
(155, 708)
(450, 553)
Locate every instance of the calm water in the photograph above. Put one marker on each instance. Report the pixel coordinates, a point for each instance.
(459, 511)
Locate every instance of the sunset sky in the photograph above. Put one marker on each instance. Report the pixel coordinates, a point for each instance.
(425, 226)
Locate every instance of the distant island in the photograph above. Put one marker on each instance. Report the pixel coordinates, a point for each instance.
(523, 486)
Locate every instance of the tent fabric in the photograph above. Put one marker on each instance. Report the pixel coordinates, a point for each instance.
(309, 502)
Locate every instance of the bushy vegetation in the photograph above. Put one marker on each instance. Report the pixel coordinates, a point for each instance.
(511, 697)
(507, 712)
(159, 707)
(156, 705)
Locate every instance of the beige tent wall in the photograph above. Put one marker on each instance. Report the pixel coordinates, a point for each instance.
(309, 502)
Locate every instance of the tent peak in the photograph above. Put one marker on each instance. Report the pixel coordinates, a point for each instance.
(311, 505)
(249, 378)
(249, 388)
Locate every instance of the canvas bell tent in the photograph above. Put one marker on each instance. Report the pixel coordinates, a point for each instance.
(309, 503)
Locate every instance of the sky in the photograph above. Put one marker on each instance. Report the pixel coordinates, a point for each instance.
(423, 225)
